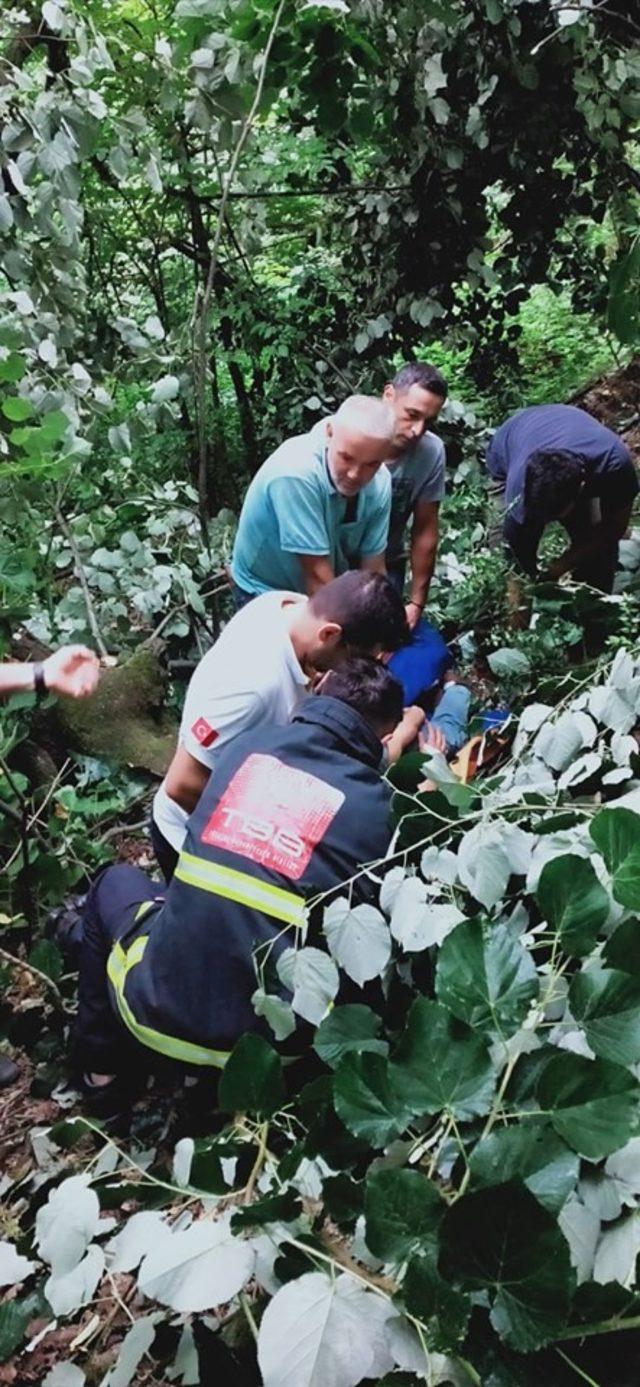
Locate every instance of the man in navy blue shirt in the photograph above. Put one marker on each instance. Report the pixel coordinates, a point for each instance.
(555, 462)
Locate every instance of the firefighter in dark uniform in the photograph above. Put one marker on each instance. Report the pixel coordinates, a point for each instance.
(289, 812)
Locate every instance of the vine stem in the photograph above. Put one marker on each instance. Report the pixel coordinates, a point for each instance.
(576, 1369)
(263, 1136)
(492, 1118)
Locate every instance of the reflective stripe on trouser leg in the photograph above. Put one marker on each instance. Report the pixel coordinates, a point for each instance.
(119, 964)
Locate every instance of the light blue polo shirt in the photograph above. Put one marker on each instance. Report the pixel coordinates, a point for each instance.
(292, 507)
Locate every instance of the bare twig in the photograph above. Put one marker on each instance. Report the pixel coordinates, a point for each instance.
(36, 973)
(82, 579)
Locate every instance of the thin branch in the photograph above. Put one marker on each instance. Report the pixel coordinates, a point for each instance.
(36, 973)
(82, 579)
(201, 315)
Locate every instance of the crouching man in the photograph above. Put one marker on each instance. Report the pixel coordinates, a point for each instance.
(291, 811)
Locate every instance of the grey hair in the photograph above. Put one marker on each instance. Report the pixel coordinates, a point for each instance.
(368, 416)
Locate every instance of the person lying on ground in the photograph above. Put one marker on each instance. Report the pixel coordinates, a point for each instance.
(290, 812)
(416, 465)
(319, 505)
(555, 462)
(73, 671)
(258, 672)
(436, 705)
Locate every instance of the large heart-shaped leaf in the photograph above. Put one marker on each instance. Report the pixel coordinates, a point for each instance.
(368, 1099)
(252, 1078)
(443, 1309)
(501, 1240)
(441, 1064)
(322, 1332)
(606, 1002)
(533, 1153)
(485, 977)
(197, 1268)
(402, 1210)
(573, 902)
(358, 937)
(593, 1104)
(350, 1027)
(616, 834)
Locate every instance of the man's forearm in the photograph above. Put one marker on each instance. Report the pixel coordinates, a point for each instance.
(317, 570)
(423, 562)
(608, 531)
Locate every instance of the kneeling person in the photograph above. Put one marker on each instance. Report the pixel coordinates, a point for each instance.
(290, 812)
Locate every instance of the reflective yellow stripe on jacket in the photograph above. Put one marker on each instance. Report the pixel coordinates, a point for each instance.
(230, 885)
(239, 886)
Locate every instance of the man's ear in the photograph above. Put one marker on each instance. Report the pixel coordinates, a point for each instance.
(389, 392)
(330, 634)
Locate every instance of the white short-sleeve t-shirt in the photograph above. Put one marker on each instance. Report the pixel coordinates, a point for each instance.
(250, 676)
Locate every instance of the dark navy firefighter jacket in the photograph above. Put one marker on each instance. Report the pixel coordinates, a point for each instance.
(288, 812)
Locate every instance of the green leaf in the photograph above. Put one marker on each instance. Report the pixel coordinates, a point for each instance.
(367, 1099)
(14, 1318)
(17, 409)
(622, 949)
(351, 1027)
(403, 1209)
(12, 368)
(444, 1310)
(343, 1199)
(573, 902)
(485, 976)
(593, 1104)
(507, 662)
(441, 1065)
(274, 1208)
(251, 1080)
(503, 1241)
(277, 1013)
(46, 956)
(532, 1153)
(616, 834)
(606, 1002)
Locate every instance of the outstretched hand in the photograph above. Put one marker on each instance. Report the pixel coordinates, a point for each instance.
(73, 670)
(432, 737)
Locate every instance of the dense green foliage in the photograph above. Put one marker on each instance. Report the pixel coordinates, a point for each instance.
(216, 219)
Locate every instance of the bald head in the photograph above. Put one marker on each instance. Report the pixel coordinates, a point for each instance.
(360, 436)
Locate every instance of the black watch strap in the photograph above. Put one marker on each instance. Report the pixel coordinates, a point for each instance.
(39, 681)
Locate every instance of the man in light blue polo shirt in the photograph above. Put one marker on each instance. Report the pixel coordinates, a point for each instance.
(319, 505)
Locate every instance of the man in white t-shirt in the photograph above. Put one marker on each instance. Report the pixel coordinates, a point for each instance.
(257, 673)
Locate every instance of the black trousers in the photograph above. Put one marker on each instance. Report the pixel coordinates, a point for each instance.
(102, 1043)
(600, 568)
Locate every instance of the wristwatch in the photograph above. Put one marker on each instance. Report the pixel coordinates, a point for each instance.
(39, 681)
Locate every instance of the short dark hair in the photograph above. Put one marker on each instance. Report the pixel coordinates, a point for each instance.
(367, 686)
(552, 482)
(367, 607)
(422, 374)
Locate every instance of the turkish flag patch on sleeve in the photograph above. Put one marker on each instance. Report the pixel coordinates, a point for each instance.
(203, 732)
